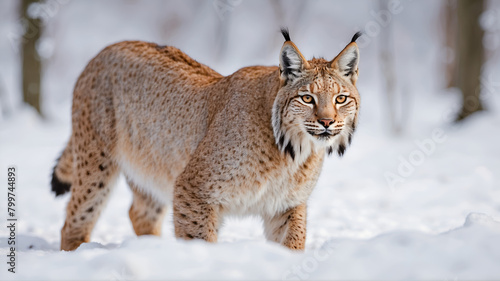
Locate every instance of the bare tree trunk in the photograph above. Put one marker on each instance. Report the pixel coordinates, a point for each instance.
(224, 9)
(222, 35)
(279, 13)
(449, 16)
(388, 73)
(4, 108)
(31, 65)
(470, 55)
(299, 11)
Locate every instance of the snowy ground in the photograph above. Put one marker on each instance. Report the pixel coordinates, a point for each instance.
(437, 217)
(441, 223)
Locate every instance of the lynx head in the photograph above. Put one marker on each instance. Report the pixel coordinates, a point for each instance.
(317, 104)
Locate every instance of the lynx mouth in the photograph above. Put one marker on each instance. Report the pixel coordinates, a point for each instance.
(325, 135)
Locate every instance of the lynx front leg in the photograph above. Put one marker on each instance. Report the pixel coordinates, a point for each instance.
(194, 218)
(288, 229)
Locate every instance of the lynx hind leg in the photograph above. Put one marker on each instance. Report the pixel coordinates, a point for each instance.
(146, 212)
(288, 229)
(93, 179)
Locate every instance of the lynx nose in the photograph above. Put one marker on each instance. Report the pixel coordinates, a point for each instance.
(326, 122)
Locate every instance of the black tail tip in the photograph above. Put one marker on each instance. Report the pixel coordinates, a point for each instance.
(286, 33)
(59, 187)
(356, 36)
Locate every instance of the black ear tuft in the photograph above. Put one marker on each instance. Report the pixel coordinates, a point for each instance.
(292, 62)
(286, 33)
(356, 36)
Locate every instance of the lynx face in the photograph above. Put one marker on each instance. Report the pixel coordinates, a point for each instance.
(317, 105)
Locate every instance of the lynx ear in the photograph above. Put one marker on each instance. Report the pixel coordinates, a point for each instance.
(292, 62)
(346, 63)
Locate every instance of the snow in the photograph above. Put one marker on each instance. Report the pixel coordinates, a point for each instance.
(439, 220)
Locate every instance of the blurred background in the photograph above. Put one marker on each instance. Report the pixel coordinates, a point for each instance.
(408, 47)
(420, 181)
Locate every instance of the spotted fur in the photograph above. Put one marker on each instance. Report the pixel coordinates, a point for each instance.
(207, 144)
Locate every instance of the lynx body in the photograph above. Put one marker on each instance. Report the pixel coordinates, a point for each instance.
(251, 143)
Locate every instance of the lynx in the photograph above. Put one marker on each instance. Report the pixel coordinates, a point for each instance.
(251, 143)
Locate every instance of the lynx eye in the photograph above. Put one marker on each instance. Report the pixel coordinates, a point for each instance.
(341, 99)
(307, 99)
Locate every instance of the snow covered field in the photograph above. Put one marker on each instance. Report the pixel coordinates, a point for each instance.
(422, 205)
(441, 223)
